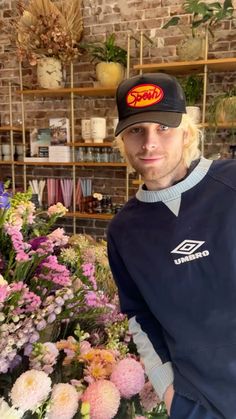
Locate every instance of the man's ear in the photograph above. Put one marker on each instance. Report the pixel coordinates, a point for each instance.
(186, 138)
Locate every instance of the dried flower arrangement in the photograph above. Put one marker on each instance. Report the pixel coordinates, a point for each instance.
(46, 29)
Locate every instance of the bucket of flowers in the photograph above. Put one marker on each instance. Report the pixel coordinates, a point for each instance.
(65, 349)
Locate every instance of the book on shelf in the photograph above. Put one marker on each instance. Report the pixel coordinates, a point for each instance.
(60, 131)
(40, 139)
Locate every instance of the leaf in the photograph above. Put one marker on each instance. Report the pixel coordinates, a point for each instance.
(172, 22)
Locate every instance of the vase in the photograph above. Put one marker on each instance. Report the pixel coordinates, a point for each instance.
(195, 113)
(191, 49)
(50, 73)
(225, 111)
(109, 74)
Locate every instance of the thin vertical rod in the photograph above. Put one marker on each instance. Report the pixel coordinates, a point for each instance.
(141, 51)
(128, 56)
(205, 80)
(73, 144)
(23, 125)
(11, 139)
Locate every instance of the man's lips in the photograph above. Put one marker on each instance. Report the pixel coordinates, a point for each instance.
(147, 159)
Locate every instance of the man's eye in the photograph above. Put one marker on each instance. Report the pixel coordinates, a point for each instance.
(136, 130)
(163, 128)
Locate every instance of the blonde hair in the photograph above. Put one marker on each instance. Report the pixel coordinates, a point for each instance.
(191, 149)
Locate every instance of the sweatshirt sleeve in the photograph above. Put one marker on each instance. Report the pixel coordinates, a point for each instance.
(146, 330)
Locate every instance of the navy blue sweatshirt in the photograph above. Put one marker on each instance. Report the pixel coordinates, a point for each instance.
(173, 256)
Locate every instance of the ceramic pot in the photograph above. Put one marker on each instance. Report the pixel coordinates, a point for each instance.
(195, 113)
(109, 74)
(191, 49)
(50, 73)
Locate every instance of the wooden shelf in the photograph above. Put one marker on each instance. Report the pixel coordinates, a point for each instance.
(186, 67)
(81, 164)
(79, 91)
(90, 216)
(7, 128)
(6, 162)
(91, 144)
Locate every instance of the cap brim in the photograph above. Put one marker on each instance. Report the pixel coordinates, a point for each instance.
(170, 119)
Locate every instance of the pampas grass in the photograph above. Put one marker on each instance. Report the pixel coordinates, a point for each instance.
(47, 29)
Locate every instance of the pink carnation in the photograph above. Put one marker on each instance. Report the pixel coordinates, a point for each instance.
(128, 376)
(148, 397)
(103, 398)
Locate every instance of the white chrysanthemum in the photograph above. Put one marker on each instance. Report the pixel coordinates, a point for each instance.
(64, 402)
(7, 412)
(30, 390)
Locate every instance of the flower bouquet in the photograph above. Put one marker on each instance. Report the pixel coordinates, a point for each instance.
(47, 29)
(65, 350)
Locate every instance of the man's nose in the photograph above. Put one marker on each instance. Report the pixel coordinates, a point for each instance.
(150, 142)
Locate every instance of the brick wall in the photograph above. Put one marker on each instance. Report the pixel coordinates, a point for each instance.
(102, 17)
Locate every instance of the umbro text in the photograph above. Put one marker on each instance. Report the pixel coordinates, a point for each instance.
(189, 258)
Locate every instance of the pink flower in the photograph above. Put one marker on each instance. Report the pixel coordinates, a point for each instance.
(64, 402)
(148, 397)
(103, 398)
(128, 376)
(3, 293)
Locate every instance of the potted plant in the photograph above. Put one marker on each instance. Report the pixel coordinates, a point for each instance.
(205, 15)
(47, 34)
(223, 108)
(193, 87)
(112, 59)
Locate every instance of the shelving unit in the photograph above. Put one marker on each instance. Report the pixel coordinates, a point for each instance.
(71, 93)
(202, 67)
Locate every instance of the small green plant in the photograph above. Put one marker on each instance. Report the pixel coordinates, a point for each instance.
(106, 51)
(204, 13)
(192, 86)
(223, 108)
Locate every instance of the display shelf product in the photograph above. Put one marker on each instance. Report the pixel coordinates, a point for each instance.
(62, 155)
(59, 153)
(60, 131)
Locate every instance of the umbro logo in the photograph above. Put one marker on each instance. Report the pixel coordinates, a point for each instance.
(187, 248)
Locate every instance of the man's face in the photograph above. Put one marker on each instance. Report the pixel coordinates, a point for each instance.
(156, 152)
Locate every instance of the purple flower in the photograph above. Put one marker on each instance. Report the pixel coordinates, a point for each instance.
(4, 197)
(35, 243)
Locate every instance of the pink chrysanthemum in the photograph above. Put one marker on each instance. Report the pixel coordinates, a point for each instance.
(148, 397)
(103, 398)
(64, 402)
(128, 376)
(30, 390)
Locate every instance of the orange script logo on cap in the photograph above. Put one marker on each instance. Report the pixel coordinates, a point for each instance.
(144, 95)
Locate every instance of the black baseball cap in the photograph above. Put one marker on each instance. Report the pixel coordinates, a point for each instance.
(150, 97)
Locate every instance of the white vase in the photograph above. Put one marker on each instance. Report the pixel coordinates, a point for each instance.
(195, 113)
(98, 129)
(50, 73)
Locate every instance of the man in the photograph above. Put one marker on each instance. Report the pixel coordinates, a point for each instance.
(172, 251)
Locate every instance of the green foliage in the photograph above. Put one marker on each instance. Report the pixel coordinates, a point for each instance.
(204, 13)
(106, 51)
(221, 104)
(192, 86)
